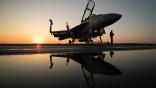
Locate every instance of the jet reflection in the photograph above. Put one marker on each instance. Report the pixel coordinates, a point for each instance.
(91, 63)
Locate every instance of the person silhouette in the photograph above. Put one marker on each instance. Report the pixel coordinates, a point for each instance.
(111, 37)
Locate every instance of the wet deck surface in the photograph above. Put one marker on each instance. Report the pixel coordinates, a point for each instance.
(77, 66)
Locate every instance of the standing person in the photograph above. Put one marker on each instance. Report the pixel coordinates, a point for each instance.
(111, 37)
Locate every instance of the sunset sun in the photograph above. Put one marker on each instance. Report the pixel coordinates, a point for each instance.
(38, 40)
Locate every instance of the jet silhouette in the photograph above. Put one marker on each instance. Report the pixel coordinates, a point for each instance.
(91, 26)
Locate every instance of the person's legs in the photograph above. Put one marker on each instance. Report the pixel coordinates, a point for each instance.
(111, 40)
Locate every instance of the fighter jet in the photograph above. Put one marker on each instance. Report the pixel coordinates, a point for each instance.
(91, 26)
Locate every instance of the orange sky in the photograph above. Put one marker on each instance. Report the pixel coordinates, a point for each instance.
(27, 21)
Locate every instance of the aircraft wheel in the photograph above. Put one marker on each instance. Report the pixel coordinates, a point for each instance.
(87, 42)
(70, 41)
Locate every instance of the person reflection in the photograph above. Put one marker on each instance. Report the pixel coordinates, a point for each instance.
(111, 54)
(51, 62)
(67, 61)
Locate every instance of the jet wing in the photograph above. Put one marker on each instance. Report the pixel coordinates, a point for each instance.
(62, 34)
(65, 34)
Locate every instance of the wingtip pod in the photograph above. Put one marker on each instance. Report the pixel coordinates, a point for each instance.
(51, 23)
(67, 26)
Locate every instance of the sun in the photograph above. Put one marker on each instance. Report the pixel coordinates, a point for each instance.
(38, 40)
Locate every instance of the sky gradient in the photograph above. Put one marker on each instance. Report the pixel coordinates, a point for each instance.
(27, 21)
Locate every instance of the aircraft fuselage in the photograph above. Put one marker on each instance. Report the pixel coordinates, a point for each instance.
(94, 24)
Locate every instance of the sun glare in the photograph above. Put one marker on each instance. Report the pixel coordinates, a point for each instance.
(37, 40)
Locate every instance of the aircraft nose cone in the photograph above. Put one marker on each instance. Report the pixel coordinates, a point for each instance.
(115, 17)
(118, 16)
(111, 18)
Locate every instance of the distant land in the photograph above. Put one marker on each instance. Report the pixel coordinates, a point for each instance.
(77, 44)
(14, 49)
